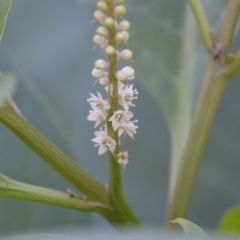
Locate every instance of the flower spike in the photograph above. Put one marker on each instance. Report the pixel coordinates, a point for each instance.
(113, 30)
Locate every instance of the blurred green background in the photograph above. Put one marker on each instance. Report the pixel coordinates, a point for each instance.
(48, 44)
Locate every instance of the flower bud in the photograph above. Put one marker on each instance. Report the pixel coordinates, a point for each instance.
(102, 5)
(110, 50)
(98, 15)
(124, 25)
(122, 158)
(109, 22)
(104, 81)
(102, 31)
(121, 76)
(125, 54)
(127, 73)
(101, 64)
(122, 36)
(97, 73)
(119, 11)
(99, 40)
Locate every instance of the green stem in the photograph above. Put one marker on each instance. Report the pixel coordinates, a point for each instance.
(201, 123)
(13, 189)
(202, 23)
(53, 156)
(115, 183)
(229, 23)
(210, 95)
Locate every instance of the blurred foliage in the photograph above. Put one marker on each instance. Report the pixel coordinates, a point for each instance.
(230, 222)
(191, 229)
(8, 82)
(48, 44)
(4, 10)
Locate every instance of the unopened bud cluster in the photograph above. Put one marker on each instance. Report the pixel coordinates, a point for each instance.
(121, 118)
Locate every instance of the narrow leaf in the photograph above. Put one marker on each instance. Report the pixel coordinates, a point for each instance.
(190, 228)
(230, 222)
(4, 10)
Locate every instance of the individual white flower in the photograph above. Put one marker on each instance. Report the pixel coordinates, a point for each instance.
(99, 107)
(97, 102)
(97, 116)
(104, 142)
(127, 73)
(121, 121)
(126, 94)
(122, 158)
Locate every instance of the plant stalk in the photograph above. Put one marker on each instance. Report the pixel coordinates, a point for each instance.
(213, 86)
(53, 156)
(116, 195)
(13, 189)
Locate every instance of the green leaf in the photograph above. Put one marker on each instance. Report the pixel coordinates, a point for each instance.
(169, 58)
(7, 85)
(4, 10)
(190, 228)
(230, 222)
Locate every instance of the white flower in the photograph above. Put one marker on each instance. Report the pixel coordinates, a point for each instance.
(121, 121)
(127, 73)
(97, 102)
(122, 158)
(126, 95)
(104, 142)
(97, 116)
(99, 107)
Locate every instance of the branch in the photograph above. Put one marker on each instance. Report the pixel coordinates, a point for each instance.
(53, 156)
(202, 23)
(13, 189)
(210, 95)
